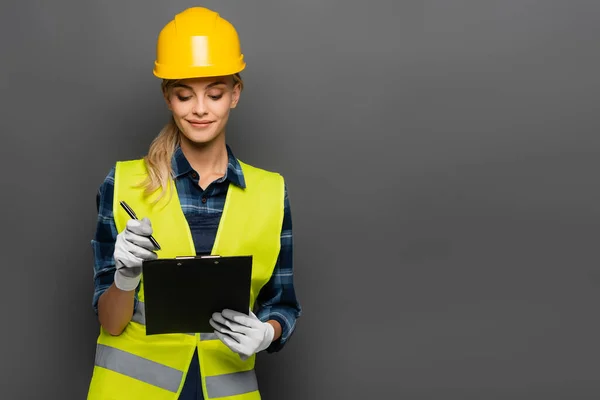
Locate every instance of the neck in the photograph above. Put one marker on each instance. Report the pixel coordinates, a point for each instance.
(206, 158)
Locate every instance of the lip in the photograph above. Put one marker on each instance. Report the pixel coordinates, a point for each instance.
(199, 123)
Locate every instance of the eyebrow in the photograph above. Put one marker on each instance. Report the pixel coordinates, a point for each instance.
(207, 87)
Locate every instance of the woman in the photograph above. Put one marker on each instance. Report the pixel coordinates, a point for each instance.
(189, 187)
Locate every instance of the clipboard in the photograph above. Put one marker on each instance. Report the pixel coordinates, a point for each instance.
(182, 293)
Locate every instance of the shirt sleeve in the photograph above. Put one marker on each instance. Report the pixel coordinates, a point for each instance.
(103, 243)
(277, 299)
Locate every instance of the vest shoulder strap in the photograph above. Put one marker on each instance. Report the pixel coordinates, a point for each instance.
(131, 167)
(254, 175)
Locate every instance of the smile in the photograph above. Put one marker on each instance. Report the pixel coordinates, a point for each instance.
(200, 123)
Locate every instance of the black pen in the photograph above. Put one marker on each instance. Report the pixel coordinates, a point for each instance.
(132, 215)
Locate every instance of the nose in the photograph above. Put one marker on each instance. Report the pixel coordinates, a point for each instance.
(199, 106)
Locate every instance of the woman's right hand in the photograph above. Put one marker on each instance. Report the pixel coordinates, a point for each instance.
(132, 247)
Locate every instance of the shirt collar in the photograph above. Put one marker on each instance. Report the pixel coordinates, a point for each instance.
(181, 166)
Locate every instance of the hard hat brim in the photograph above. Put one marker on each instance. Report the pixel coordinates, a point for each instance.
(164, 72)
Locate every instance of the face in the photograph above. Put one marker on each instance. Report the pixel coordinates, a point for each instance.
(201, 106)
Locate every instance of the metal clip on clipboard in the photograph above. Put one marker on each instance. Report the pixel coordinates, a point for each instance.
(196, 258)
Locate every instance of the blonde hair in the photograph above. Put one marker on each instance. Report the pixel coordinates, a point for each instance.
(162, 148)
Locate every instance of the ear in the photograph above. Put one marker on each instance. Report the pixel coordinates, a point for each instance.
(235, 96)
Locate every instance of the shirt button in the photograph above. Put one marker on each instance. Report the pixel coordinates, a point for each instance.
(204, 200)
(194, 175)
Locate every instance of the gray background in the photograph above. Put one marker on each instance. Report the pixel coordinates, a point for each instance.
(442, 162)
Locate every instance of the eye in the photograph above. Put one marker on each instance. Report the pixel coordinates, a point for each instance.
(183, 98)
(215, 96)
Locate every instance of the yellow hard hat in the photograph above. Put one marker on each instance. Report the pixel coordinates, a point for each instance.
(198, 42)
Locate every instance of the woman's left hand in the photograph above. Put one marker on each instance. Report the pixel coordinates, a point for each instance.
(243, 334)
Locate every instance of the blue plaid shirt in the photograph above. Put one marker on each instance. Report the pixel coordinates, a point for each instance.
(202, 209)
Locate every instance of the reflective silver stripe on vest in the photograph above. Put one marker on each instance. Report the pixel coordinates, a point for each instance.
(231, 384)
(139, 316)
(139, 368)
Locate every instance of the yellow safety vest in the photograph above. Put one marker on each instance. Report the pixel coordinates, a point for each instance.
(134, 366)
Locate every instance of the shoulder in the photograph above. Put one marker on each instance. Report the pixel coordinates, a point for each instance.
(105, 194)
(118, 168)
(254, 170)
(136, 165)
(262, 178)
(135, 161)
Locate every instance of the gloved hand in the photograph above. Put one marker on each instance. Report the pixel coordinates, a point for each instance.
(133, 246)
(243, 334)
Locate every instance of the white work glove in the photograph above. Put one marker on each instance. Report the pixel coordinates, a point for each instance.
(243, 334)
(133, 246)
